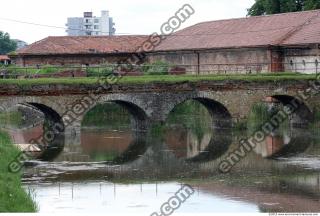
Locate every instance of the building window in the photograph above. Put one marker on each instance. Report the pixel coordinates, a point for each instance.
(304, 63)
(291, 62)
(96, 20)
(96, 27)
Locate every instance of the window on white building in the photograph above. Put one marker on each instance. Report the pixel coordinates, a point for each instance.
(291, 62)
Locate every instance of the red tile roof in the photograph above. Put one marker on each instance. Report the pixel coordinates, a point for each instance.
(84, 45)
(281, 29)
(4, 57)
(307, 34)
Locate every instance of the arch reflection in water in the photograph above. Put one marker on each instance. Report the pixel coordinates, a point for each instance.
(105, 145)
(284, 143)
(219, 144)
(185, 144)
(54, 148)
(192, 132)
(134, 151)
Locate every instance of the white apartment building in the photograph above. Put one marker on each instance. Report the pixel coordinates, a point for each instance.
(91, 25)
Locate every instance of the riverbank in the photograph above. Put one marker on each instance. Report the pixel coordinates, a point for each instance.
(13, 198)
(163, 79)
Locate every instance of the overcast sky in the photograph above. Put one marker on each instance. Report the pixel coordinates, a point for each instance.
(133, 17)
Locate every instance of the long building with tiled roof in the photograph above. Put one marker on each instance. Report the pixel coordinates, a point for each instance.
(281, 42)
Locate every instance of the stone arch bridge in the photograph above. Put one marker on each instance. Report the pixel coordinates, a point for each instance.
(227, 101)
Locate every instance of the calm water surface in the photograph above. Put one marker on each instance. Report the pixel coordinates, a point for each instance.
(281, 174)
(117, 170)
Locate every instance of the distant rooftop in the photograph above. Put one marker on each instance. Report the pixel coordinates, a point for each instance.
(280, 29)
(4, 57)
(84, 45)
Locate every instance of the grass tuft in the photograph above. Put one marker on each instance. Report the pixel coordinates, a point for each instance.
(13, 198)
(163, 79)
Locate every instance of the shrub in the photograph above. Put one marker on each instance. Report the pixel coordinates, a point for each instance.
(261, 113)
(156, 68)
(47, 69)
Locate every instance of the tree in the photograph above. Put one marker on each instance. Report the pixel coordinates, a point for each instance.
(258, 8)
(263, 7)
(312, 4)
(6, 44)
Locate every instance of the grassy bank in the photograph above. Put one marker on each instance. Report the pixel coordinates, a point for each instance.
(164, 79)
(13, 198)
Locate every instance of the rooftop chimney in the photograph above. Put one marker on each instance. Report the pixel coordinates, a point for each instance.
(87, 14)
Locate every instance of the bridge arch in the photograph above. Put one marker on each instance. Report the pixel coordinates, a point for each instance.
(52, 141)
(50, 114)
(46, 104)
(48, 134)
(139, 118)
(302, 115)
(51, 110)
(221, 117)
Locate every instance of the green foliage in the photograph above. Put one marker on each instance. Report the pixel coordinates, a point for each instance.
(44, 69)
(158, 130)
(317, 115)
(47, 69)
(104, 156)
(156, 68)
(315, 125)
(6, 44)
(312, 4)
(108, 116)
(261, 113)
(13, 198)
(100, 71)
(272, 77)
(13, 119)
(241, 125)
(193, 116)
(263, 7)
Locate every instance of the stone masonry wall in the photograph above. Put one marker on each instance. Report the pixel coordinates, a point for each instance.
(223, 61)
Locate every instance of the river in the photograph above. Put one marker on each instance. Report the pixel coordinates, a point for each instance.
(119, 170)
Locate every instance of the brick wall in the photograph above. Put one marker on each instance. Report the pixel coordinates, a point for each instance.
(85, 59)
